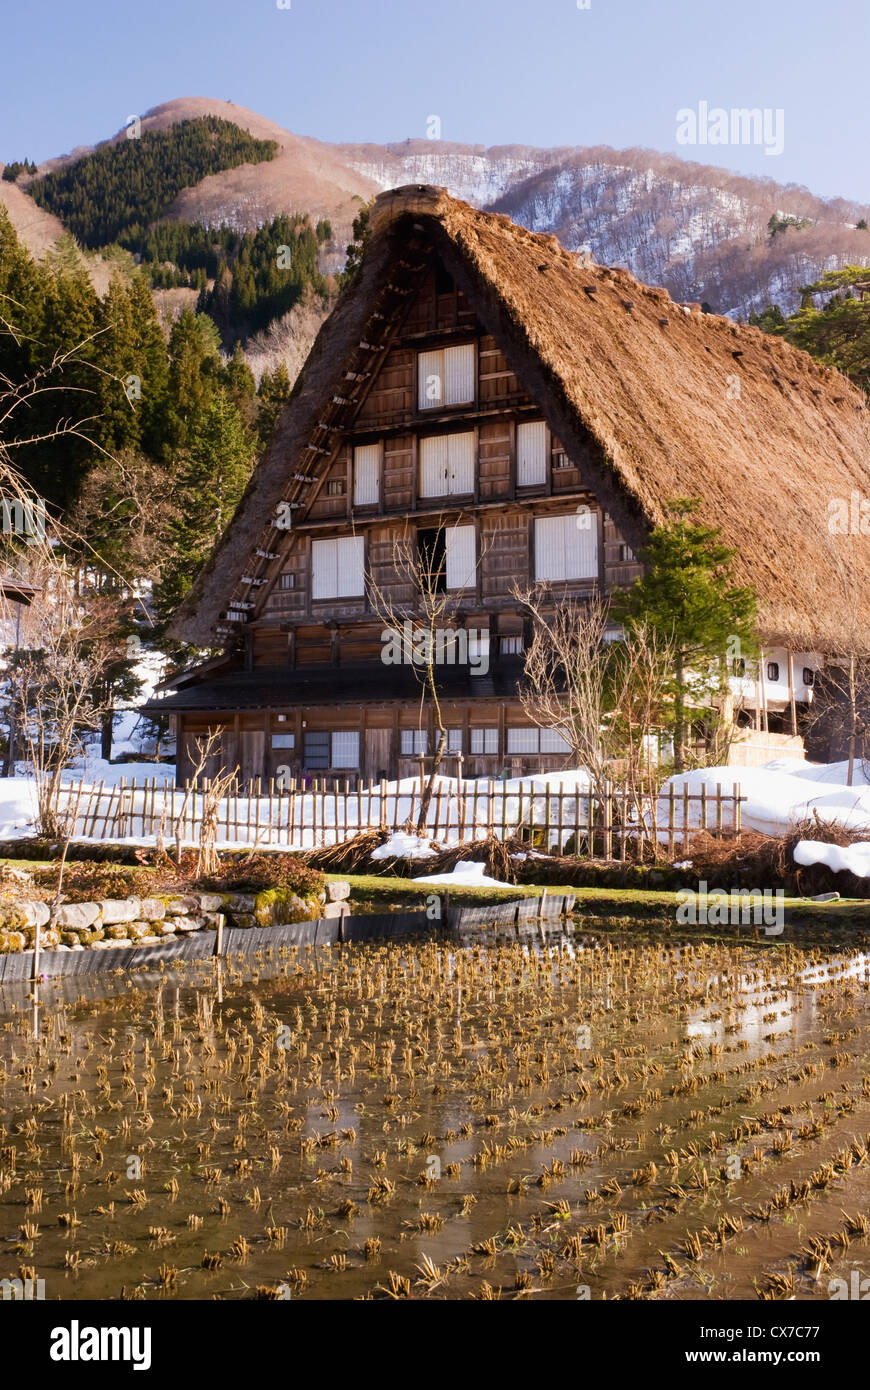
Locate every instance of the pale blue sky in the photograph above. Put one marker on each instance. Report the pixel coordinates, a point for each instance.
(538, 72)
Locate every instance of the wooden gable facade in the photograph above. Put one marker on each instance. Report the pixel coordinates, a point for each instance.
(443, 435)
(539, 412)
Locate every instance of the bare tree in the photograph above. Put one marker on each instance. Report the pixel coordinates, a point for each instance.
(419, 626)
(566, 674)
(608, 699)
(62, 676)
(840, 710)
(53, 684)
(213, 790)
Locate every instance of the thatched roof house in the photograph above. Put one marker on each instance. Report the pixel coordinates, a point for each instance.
(474, 391)
(659, 400)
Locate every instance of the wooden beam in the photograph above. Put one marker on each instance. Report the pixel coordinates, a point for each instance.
(395, 322)
(791, 699)
(398, 424)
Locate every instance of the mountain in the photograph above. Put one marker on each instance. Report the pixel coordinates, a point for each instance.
(700, 231)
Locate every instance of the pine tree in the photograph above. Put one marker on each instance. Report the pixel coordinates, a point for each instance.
(120, 385)
(240, 378)
(356, 249)
(152, 365)
(689, 597)
(22, 289)
(194, 371)
(274, 391)
(63, 319)
(212, 470)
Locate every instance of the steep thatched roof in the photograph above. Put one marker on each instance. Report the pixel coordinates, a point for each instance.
(675, 403)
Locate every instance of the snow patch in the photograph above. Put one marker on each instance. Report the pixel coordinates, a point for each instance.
(467, 873)
(403, 846)
(853, 858)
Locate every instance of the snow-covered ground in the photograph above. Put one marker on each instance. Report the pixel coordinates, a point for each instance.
(106, 810)
(781, 793)
(107, 807)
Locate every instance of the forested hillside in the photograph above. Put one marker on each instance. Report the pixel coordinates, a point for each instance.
(112, 201)
(115, 193)
(245, 279)
(832, 324)
(166, 430)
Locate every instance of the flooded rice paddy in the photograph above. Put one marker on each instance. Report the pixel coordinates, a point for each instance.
(496, 1120)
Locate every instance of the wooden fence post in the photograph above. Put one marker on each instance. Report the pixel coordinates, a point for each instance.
(37, 950)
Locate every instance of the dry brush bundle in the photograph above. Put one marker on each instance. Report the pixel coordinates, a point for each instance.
(352, 856)
(768, 861)
(496, 854)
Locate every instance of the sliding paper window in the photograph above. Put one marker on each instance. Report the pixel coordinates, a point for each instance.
(366, 467)
(337, 568)
(447, 464)
(566, 547)
(445, 377)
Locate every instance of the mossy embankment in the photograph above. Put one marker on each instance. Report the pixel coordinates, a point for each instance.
(620, 909)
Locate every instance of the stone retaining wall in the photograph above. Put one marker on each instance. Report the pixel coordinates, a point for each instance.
(127, 922)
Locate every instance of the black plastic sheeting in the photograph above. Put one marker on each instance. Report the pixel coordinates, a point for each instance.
(326, 931)
(509, 914)
(201, 945)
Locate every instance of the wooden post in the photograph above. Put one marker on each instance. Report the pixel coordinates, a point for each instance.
(762, 692)
(75, 814)
(105, 817)
(671, 818)
(87, 814)
(737, 804)
(219, 940)
(791, 699)
(37, 950)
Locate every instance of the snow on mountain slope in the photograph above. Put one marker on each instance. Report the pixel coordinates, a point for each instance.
(699, 230)
(472, 172)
